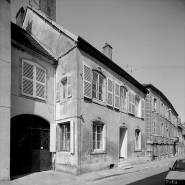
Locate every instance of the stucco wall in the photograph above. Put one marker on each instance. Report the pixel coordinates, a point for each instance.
(24, 105)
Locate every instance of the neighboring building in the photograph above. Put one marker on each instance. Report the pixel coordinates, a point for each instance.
(161, 125)
(99, 107)
(181, 135)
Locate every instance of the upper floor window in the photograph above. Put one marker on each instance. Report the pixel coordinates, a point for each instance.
(64, 88)
(154, 127)
(162, 109)
(167, 131)
(98, 86)
(154, 104)
(137, 107)
(33, 80)
(123, 98)
(162, 128)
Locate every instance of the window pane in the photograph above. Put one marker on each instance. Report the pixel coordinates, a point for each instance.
(99, 129)
(101, 80)
(99, 137)
(95, 77)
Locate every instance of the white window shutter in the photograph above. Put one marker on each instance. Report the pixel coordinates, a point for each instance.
(130, 102)
(87, 81)
(27, 79)
(142, 109)
(58, 91)
(72, 137)
(116, 95)
(52, 137)
(109, 92)
(133, 104)
(69, 87)
(40, 83)
(104, 138)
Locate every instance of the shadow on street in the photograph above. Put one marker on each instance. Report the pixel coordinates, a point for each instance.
(158, 179)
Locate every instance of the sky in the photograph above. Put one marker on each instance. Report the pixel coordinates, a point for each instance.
(147, 37)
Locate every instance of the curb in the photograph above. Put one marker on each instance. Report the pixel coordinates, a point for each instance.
(124, 173)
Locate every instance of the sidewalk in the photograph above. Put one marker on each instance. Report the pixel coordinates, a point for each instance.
(56, 178)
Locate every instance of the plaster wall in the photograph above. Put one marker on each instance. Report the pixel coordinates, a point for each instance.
(5, 89)
(25, 105)
(55, 41)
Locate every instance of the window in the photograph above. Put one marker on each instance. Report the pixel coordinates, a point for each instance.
(33, 80)
(123, 98)
(98, 86)
(167, 132)
(99, 137)
(143, 109)
(131, 105)
(65, 136)
(154, 104)
(137, 139)
(66, 88)
(154, 127)
(162, 128)
(162, 109)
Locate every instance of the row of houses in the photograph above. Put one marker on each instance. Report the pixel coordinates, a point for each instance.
(70, 107)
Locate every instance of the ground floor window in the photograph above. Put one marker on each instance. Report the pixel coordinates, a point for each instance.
(64, 136)
(99, 136)
(137, 139)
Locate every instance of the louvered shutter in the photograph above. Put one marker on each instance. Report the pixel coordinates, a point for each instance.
(87, 81)
(72, 137)
(142, 109)
(109, 92)
(58, 91)
(133, 104)
(40, 83)
(58, 138)
(116, 96)
(69, 87)
(27, 79)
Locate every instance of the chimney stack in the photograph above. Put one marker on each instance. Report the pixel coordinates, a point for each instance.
(20, 17)
(107, 51)
(49, 8)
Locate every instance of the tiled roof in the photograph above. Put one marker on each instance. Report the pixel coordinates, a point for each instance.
(22, 36)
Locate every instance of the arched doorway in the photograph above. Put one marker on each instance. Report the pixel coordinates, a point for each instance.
(29, 145)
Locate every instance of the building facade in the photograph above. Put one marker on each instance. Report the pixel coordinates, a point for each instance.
(161, 125)
(100, 117)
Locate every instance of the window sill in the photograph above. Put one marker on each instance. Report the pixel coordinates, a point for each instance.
(98, 102)
(137, 150)
(98, 152)
(33, 98)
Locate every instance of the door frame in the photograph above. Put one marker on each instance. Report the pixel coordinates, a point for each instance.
(125, 140)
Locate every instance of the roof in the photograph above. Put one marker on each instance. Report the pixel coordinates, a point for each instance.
(161, 94)
(22, 36)
(85, 46)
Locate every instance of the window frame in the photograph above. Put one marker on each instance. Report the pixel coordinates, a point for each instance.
(139, 140)
(154, 127)
(34, 80)
(98, 123)
(98, 86)
(125, 99)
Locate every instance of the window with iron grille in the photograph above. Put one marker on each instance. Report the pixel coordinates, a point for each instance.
(33, 80)
(98, 87)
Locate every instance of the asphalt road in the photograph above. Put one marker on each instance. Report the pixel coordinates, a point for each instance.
(152, 176)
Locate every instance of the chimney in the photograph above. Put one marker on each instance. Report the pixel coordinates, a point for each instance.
(20, 17)
(49, 8)
(107, 51)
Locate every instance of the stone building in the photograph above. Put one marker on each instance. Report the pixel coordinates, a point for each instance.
(161, 125)
(99, 107)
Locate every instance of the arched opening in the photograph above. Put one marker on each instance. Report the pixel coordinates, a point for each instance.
(29, 145)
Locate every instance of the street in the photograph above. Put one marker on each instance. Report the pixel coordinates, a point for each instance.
(152, 176)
